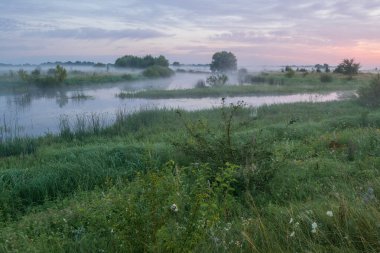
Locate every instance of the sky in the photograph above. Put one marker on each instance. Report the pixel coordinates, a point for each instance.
(258, 32)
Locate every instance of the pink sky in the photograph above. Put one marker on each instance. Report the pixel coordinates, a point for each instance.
(271, 32)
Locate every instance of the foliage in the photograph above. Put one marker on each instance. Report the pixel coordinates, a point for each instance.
(158, 71)
(216, 146)
(370, 95)
(289, 72)
(131, 61)
(242, 75)
(326, 78)
(348, 67)
(223, 62)
(216, 80)
(53, 76)
(200, 84)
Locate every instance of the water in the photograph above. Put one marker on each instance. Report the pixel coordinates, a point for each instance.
(37, 111)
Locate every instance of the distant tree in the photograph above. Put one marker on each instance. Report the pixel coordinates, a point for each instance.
(162, 61)
(318, 68)
(242, 75)
(223, 61)
(23, 75)
(326, 67)
(131, 61)
(217, 80)
(348, 67)
(176, 63)
(60, 73)
(289, 72)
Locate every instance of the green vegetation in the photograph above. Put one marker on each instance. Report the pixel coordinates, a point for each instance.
(326, 78)
(284, 178)
(348, 67)
(99, 78)
(157, 71)
(131, 61)
(216, 80)
(223, 62)
(263, 84)
(53, 77)
(370, 95)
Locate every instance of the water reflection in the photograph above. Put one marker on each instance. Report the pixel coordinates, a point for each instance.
(36, 111)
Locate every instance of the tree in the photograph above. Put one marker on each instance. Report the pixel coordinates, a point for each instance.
(131, 61)
(223, 61)
(348, 67)
(60, 74)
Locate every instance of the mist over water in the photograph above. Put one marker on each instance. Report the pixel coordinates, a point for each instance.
(37, 111)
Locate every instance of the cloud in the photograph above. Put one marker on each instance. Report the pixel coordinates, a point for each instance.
(88, 33)
(7, 24)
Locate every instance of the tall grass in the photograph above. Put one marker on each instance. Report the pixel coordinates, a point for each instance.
(312, 185)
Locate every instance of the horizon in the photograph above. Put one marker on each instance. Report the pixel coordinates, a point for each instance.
(263, 33)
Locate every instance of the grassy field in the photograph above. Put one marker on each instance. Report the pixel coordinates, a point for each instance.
(285, 178)
(265, 83)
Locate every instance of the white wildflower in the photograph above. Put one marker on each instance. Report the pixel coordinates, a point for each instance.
(329, 213)
(291, 221)
(314, 227)
(174, 208)
(292, 234)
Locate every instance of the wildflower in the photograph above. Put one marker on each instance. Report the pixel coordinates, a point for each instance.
(291, 221)
(174, 208)
(292, 234)
(329, 213)
(369, 196)
(314, 227)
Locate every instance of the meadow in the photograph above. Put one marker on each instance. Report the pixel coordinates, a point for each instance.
(299, 177)
(264, 84)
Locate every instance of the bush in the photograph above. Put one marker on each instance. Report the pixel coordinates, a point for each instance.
(348, 67)
(200, 84)
(326, 78)
(217, 80)
(290, 73)
(242, 75)
(158, 71)
(369, 96)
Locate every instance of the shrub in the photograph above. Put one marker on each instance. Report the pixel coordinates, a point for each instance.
(326, 78)
(242, 75)
(348, 67)
(158, 71)
(217, 80)
(200, 84)
(369, 96)
(290, 73)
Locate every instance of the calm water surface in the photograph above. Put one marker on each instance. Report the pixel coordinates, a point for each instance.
(37, 112)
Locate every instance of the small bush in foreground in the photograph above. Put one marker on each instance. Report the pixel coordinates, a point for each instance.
(370, 96)
(326, 78)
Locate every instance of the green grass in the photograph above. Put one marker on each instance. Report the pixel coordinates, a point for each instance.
(113, 189)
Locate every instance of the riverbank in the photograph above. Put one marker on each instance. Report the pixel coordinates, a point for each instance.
(305, 179)
(266, 84)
